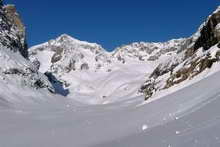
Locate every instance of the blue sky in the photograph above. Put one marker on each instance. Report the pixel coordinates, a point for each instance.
(112, 23)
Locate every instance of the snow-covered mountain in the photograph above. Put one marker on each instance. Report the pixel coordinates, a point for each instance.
(79, 73)
(86, 72)
(85, 69)
(79, 65)
(145, 51)
(66, 54)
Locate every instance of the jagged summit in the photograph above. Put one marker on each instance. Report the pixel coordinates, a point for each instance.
(153, 51)
(66, 37)
(65, 54)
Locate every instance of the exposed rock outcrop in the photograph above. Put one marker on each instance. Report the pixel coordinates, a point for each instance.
(198, 53)
(12, 32)
(210, 33)
(15, 68)
(144, 51)
(191, 69)
(148, 88)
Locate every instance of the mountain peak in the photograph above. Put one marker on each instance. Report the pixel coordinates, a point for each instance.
(217, 10)
(66, 37)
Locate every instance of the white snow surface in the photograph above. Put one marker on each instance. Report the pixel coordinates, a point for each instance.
(188, 117)
(103, 87)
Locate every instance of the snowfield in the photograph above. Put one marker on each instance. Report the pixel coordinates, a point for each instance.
(188, 117)
(101, 87)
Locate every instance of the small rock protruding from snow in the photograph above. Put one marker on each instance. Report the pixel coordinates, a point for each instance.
(176, 118)
(144, 127)
(177, 132)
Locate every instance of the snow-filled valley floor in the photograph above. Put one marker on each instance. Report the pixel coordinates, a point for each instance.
(188, 117)
(102, 87)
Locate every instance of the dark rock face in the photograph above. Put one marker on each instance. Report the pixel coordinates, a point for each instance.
(36, 65)
(13, 49)
(191, 70)
(219, 45)
(12, 30)
(209, 35)
(14, 71)
(57, 55)
(84, 66)
(29, 78)
(71, 66)
(148, 88)
(161, 70)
